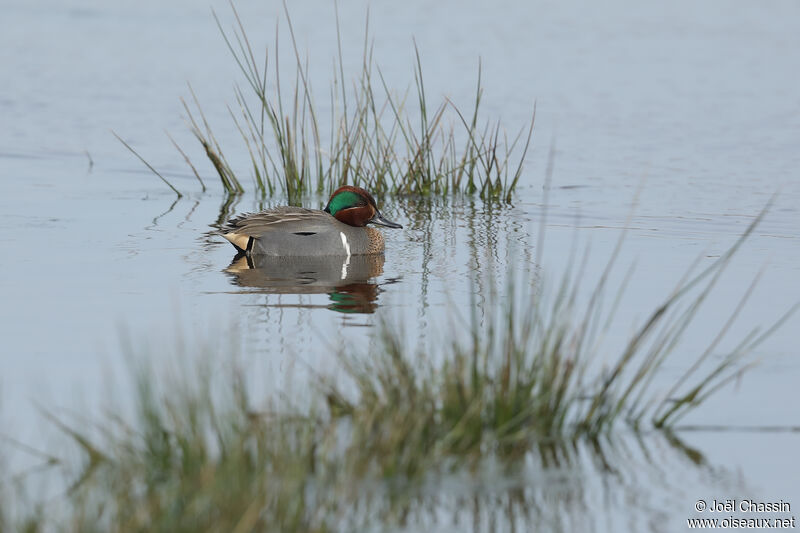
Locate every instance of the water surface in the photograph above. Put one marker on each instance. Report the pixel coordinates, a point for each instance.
(694, 103)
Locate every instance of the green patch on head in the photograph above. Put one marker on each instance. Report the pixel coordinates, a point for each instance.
(344, 200)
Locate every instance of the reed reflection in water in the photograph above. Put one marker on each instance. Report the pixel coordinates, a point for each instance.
(559, 487)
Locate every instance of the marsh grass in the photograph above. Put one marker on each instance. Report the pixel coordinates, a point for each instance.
(357, 448)
(374, 138)
(530, 376)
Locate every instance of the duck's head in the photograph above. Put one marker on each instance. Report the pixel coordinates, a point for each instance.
(356, 207)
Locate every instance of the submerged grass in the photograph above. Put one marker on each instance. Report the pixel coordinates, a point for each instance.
(200, 457)
(376, 139)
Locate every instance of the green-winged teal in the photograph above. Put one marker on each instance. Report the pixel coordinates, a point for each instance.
(339, 229)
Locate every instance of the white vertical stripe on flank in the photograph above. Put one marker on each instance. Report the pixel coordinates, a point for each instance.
(345, 243)
(346, 249)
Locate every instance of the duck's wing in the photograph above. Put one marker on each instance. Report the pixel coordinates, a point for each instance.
(241, 230)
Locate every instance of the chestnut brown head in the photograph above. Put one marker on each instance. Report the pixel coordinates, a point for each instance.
(356, 207)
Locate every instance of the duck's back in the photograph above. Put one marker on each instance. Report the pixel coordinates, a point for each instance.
(296, 231)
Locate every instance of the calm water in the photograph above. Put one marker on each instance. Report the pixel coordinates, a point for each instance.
(697, 103)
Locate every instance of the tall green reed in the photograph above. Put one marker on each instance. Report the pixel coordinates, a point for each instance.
(376, 139)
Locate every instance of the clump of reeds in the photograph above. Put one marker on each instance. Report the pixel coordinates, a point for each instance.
(374, 140)
(194, 460)
(528, 377)
(198, 459)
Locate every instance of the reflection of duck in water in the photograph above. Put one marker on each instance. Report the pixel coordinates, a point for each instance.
(306, 251)
(347, 280)
(339, 229)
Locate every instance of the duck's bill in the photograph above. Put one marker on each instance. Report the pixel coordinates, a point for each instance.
(380, 221)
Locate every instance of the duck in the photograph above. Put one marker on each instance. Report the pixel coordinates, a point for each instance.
(338, 230)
